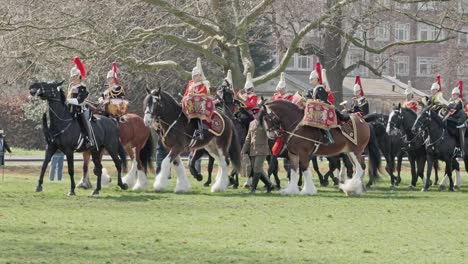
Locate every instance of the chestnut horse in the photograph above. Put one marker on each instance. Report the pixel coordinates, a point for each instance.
(133, 135)
(282, 119)
(165, 114)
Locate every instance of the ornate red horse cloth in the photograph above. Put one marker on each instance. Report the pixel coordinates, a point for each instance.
(202, 107)
(319, 114)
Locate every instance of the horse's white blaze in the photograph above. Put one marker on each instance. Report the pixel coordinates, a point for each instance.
(222, 178)
(131, 178)
(105, 178)
(141, 182)
(161, 180)
(309, 187)
(292, 186)
(458, 179)
(182, 184)
(147, 117)
(389, 120)
(353, 186)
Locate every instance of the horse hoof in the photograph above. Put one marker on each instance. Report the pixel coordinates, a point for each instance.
(71, 193)
(336, 181)
(411, 188)
(95, 192)
(206, 184)
(39, 189)
(124, 186)
(235, 186)
(451, 190)
(199, 177)
(456, 187)
(325, 183)
(424, 190)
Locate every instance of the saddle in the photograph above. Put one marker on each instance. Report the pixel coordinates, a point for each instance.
(217, 124)
(348, 128)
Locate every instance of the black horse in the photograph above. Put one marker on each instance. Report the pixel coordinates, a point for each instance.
(391, 145)
(228, 105)
(64, 134)
(403, 119)
(440, 144)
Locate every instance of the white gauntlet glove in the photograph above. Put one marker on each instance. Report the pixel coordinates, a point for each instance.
(72, 101)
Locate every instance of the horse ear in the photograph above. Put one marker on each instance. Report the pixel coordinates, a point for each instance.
(399, 105)
(148, 91)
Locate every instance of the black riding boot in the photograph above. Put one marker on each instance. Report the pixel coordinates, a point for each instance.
(198, 134)
(267, 182)
(461, 131)
(327, 137)
(342, 116)
(89, 134)
(255, 180)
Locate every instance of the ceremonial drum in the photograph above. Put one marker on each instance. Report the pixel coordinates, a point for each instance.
(319, 114)
(117, 107)
(298, 100)
(198, 106)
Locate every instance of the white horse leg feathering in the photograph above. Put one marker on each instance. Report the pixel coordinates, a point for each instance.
(222, 178)
(161, 180)
(309, 187)
(292, 186)
(353, 186)
(182, 184)
(131, 178)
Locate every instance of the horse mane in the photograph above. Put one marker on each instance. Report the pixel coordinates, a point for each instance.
(374, 116)
(63, 97)
(169, 97)
(435, 117)
(290, 106)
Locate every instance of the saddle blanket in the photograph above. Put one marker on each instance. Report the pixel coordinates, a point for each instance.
(198, 106)
(319, 114)
(216, 126)
(348, 129)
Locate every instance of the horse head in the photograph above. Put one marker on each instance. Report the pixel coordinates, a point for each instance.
(423, 121)
(46, 90)
(225, 92)
(269, 121)
(159, 105)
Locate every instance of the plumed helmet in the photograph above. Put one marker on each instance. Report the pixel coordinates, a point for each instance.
(229, 77)
(435, 86)
(317, 73)
(79, 69)
(324, 77)
(282, 82)
(248, 82)
(113, 73)
(198, 70)
(456, 90)
(358, 86)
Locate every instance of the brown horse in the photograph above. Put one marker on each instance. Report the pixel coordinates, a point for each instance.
(165, 114)
(134, 136)
(282, 118)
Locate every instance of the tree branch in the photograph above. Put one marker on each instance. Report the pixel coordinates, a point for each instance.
(159, 65)
(252, 16)
(352, 67)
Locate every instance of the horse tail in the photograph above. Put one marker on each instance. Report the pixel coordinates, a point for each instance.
(123, 156)
(235, 151)
(146, 153)
(374, 154)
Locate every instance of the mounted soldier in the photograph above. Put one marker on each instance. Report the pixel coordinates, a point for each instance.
(437, 99)
(198, 86)
(319, 92)
(359, 103)
(456, 117)
(248, 103)
(225, 92)
(281, 91)
(113, 98)
(77, 94)
(409, 102)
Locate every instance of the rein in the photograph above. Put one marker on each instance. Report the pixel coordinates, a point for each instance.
(430, 144)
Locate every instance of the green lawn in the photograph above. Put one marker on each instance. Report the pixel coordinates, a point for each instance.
(22, 151)
(383, 226)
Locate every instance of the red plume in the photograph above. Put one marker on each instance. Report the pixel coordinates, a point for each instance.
(277, 147)
(439, 83)
(358, 82)
(318, 69)
(460, 86)
(80, 66)
(114, 69)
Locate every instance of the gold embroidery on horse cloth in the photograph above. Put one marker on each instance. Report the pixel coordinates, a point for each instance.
(217, 124)
(349, 130)
(319, 114)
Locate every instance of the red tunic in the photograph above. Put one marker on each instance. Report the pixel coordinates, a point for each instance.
(279, 96)
(199, 88)
(251, 100)
(466, 108)
(411, 104)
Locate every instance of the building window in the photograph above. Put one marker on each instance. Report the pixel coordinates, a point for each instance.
(381, 63)
(304, 63)
(401, 65)
(382, 33)
(427, 32)
(291, 63)
(427, 66)
(463, 37)
(402, 31)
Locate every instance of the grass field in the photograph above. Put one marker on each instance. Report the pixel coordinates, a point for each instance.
(383, 226)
